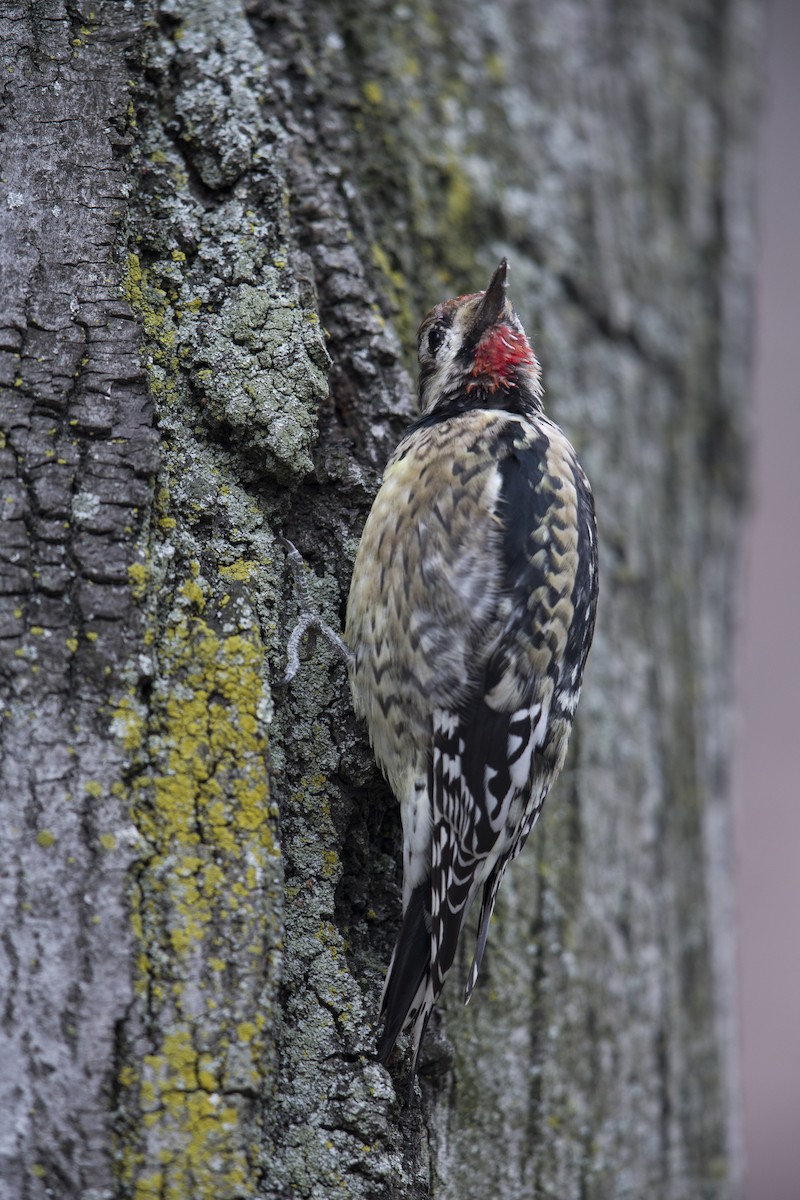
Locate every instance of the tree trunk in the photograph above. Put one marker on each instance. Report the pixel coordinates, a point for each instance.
(221, 226)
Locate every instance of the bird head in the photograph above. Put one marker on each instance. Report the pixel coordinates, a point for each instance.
(473, 349)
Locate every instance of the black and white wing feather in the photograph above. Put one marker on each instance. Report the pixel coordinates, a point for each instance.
(495, 758)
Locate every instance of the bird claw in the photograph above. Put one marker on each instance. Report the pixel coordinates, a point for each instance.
(309, 617)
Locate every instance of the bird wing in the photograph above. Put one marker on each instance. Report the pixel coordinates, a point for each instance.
(495, 756)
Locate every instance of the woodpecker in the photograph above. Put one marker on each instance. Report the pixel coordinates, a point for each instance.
(469, 620)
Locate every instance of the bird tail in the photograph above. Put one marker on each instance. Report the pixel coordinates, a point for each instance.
(490, 890)
(407, 1000)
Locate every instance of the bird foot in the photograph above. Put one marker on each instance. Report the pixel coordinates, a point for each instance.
(309, 617)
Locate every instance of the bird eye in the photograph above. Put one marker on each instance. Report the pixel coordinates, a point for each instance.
(435, 338)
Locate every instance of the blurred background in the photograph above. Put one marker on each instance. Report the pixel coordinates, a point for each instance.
(766, 766)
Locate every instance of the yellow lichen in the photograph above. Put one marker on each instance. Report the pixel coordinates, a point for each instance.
(204, 815)
(459, 198)
(396, 289)
(194, 593)
(373, 92)
(137, 573)
(330, 861)
(242, 569)
(128, 724)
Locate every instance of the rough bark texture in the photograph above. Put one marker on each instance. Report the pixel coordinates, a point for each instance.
(220, 227)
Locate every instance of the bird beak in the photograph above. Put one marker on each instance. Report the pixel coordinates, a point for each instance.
(492, 306)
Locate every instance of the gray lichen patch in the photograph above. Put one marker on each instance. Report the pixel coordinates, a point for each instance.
(259, 371)
(220, 115)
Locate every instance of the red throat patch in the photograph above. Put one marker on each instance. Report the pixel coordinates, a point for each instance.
(500, 350)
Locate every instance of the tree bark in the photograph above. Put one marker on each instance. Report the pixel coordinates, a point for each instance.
(220, 227)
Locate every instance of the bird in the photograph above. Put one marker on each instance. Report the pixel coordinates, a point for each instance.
(469, 619)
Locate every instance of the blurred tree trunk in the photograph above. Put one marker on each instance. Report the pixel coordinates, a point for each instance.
(221, 225)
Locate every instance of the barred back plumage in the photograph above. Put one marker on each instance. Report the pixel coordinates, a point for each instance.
(470, 616)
